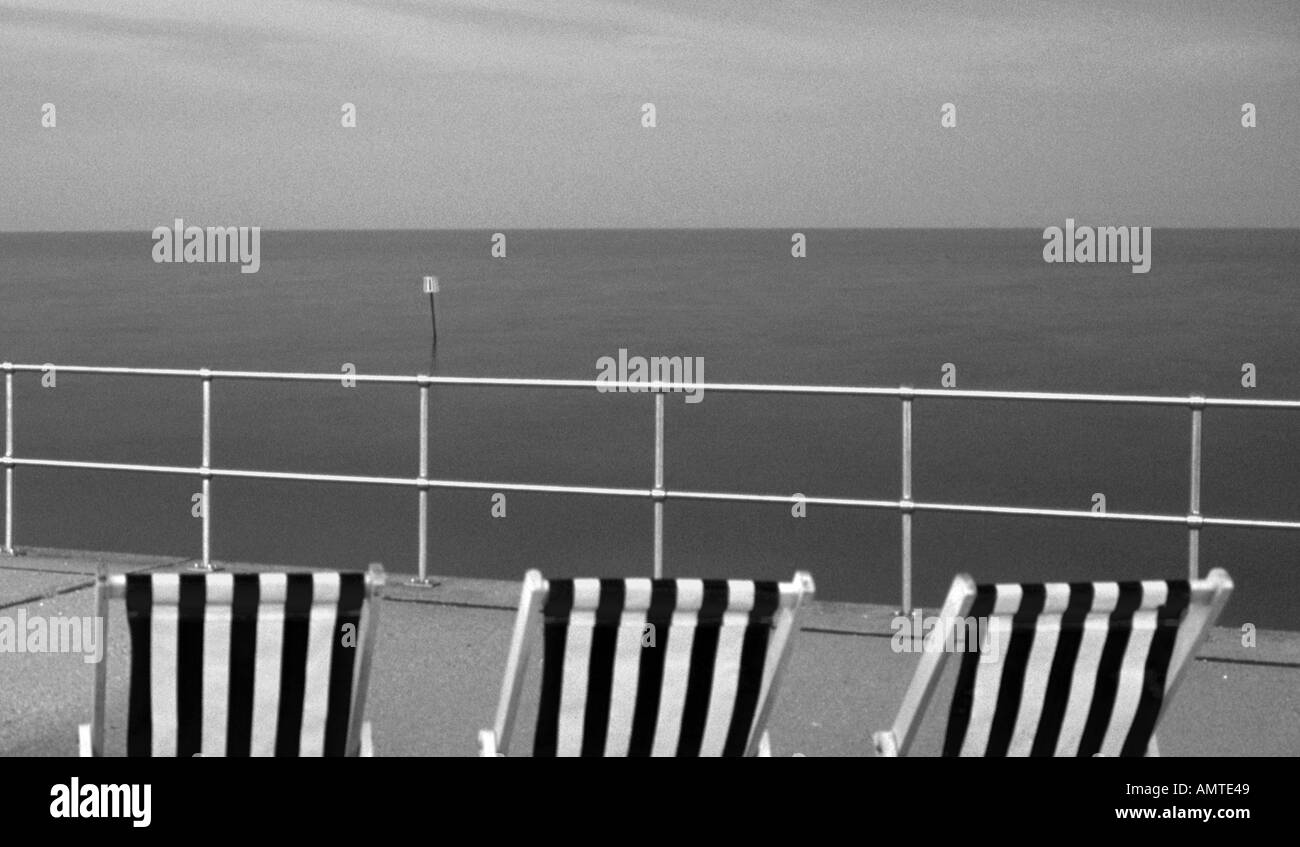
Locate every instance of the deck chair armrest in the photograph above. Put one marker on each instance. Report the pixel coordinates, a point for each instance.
(83, 739)
(487, 744)
(367, 740)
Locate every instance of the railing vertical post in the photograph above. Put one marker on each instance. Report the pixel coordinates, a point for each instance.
(905, 505)
(1194, 495)
(206, 562)
(422, 577)
(9, 454)
(658, 492)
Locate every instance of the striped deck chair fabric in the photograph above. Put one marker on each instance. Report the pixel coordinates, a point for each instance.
(246, 664)
(1066, 669)
(642, 667)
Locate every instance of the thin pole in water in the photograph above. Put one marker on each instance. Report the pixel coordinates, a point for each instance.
(431, 288)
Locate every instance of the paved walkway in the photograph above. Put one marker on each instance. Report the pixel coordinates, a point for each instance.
(441, 652)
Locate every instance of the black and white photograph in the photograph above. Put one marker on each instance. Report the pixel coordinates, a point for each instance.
(616, 378)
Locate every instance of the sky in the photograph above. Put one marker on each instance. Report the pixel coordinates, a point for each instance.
(504, 114)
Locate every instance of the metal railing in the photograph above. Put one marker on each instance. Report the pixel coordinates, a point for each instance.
(905, 505)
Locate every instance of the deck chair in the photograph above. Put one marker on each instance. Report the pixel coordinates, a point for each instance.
(642, 667)
(1068, 669)
(243, 664)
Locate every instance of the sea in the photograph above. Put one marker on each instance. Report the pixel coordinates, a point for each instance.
(863, 307)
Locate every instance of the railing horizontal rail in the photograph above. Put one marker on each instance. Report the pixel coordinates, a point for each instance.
(650, 493)
(1194, 521)
(352, 479)
(670, 387)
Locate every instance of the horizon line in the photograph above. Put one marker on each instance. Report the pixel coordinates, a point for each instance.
(787, 228)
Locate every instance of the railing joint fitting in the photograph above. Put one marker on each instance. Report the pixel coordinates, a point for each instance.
(1196, 401)
(7, 367)
(1195, 521)
(658, 494)
(423, 380)
(907, 506)
(906, 392)
(205, 374)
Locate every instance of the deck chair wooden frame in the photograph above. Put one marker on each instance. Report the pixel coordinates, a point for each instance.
(359, 734)
(1206, 598)
(528, 623)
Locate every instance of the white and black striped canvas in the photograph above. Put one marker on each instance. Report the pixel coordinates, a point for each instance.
(1080, 669)
(242, 664)
(694, 691)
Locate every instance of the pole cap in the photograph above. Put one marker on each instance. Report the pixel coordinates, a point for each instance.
(430, 285)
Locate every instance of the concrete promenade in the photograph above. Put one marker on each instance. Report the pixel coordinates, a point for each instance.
(441, 653)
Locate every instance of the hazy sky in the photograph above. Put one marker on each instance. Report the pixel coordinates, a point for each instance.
(517, 113)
